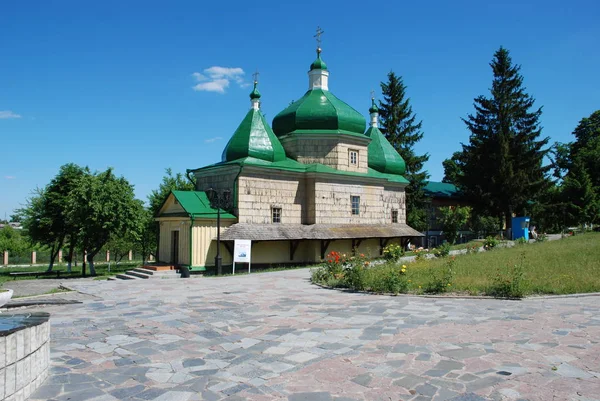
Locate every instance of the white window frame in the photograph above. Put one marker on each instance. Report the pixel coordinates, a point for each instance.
(276, 212)
(353, 161)
(355, 211)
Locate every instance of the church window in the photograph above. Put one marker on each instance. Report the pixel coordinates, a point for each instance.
(276, 214)
(394, 216)
(353, 156)
(355, 200)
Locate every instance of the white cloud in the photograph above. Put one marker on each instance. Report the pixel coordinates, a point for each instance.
(10, 177)
(211, 140)
(217, 79)
(8, 114)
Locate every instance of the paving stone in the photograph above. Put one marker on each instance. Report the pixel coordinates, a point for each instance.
(127, 392)
(484, 382)
(317, 396)
(426, 389)
(468, 397)
(363, 379)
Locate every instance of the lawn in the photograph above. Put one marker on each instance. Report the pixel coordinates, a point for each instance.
(566, 266)
(101, 271)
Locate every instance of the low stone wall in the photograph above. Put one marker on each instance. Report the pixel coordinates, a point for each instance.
(24, 355)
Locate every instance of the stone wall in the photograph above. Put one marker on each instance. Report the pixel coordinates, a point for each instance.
(330, 151)
(333, 203)
(394, 198)
(258, 193)
(220, 179)
(24, 361)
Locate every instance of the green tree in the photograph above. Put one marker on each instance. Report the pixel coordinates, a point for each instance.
(501, 165)
(586, 147)
(400, 127)
(452, 169)
(102, 206)
(44, 215)
(579, 197)
(13, 242)
(454, 219)
(170, 182)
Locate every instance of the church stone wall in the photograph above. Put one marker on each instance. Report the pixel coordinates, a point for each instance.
(328, 151)
(394, 198)
(258, 193)
(333, 203)
(219, 179)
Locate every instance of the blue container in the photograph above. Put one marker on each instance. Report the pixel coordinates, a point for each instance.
(520, 228)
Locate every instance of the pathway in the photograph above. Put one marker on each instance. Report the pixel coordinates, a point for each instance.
(274, 336)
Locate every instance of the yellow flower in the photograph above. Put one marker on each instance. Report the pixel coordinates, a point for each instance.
(409, 281)
(403, 270)
(404, 266)
(449, 284)
(419, 286)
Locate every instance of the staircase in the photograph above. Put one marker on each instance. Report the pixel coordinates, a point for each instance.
(148, 272)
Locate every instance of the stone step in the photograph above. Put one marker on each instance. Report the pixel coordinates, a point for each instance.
(155, 273)
(111, 278)
(138, 274)
(125, 276)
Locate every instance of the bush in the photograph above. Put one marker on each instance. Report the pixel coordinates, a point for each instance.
(521, 241)
(509, 283)
(420, 253)
(355, 273)
(440, 279)
(442, 251)
(471, 249)
(388, 279)
(541, 238)
(490, 243)
(393, 252)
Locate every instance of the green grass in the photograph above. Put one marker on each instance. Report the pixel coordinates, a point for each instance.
(101, 271)
(567, 266)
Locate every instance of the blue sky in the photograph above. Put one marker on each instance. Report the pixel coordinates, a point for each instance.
(111, 83)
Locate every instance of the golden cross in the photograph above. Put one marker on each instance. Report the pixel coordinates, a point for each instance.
(318, 36)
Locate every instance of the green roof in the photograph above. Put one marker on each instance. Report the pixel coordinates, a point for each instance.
(197, 205)
(255, 94)
(318, 64)
(382, 155)
(254, 138)
(442, 190)
(373, 108)
(294, 166)
(319, 111)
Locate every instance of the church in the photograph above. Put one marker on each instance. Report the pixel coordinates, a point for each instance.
(313, 182)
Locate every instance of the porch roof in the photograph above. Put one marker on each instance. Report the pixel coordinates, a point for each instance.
(278, 232)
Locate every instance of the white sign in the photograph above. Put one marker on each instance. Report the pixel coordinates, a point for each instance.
(241, 250)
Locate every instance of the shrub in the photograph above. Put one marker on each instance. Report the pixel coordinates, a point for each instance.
(440, 279)
(541, 238)
(393, 252)
(509, 283)
(521, 241)
(471, 249)
(442, 251)
(389, 279)
(490, 243)
(355, 273)
(420, 253)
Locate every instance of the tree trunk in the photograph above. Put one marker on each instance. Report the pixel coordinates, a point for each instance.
(90, 259)
(70, 260)
(52, 256)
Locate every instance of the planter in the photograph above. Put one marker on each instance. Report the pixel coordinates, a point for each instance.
(5, 296)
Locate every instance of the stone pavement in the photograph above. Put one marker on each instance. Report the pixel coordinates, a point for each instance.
(274, 336)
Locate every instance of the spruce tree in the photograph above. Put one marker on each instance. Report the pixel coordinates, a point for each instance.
(399, 125)
(501, 165)
(579, 196)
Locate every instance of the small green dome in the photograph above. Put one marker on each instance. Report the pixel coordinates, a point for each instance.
(382, 155)
(318, 64)
(374, 108)
(319, 111)
(254, 138)
(255, 94)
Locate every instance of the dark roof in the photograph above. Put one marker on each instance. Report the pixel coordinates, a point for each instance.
(442, 190)
(274, 232)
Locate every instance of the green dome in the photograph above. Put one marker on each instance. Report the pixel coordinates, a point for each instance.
(382, 155)
(374, 108)
(318, 64)
(319, 111)
(254, 138)
(255, 94)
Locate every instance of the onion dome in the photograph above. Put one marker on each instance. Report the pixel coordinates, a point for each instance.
(382, 155)
(319, 111)
(254, 137)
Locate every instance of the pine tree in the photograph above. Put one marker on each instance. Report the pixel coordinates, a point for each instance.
(502, 163)
(398, 124)
(579, 196)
